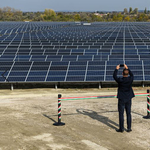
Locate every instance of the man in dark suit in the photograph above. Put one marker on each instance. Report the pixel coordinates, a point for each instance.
(124, 95)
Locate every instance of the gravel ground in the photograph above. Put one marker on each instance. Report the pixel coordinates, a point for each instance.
(27, 117)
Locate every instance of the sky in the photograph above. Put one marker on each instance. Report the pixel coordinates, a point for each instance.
(75, 5)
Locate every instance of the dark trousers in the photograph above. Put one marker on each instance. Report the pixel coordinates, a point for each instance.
(127, 106)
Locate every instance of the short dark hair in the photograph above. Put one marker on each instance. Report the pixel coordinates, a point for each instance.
(125, 72)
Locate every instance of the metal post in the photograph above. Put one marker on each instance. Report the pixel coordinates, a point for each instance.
(59, 123)
(55, 86)
(100, 86)
(12, 88)
(148, 107)
(143, 84)
(59, 109)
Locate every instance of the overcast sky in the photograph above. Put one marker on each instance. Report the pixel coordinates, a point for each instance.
(76, 5)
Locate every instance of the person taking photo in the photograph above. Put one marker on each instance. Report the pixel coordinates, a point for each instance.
(124, 95)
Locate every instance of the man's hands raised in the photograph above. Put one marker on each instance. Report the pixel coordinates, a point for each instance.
(118, 67)
(125, 66)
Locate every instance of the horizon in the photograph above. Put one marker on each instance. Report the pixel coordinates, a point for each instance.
(75, 10)
(75, 6)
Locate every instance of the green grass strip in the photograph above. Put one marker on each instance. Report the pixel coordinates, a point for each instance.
(87, 98)
(142, 95)
(68, 99)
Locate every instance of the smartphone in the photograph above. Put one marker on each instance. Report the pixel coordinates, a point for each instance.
(121, 65)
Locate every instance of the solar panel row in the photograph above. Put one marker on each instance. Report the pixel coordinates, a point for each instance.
(70, 71)
(66, 52)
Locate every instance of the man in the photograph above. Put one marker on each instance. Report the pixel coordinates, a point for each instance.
(124, 95)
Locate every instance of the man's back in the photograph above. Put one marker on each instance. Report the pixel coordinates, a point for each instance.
(125, 91)
(125, 94)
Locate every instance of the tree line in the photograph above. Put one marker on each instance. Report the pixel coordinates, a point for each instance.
(132, 15)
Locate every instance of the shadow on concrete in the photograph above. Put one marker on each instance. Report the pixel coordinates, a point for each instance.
(49, 118)
(100, 118)
(137, 113)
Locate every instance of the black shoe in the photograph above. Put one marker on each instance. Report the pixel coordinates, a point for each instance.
(129, 130)
(119, 130)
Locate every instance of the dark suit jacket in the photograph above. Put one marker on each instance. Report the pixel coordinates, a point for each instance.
(125, 91)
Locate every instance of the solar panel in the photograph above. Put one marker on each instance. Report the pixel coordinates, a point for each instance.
(13, 73)
(138, 78)
(77, 68)
(57, 73)
(56, 79)
(36, 79)
(76, 73)
(17, 68)
(58, 67)
(96, 67)
(95, 72)
(75, 78)
(37, 73)
(16, 79)
(54, 52)
(109, 78)
(95, 78)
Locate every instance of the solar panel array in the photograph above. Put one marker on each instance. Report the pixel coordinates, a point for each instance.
(67, 52)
